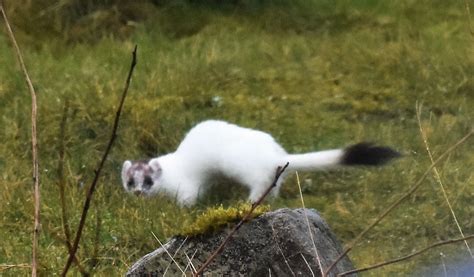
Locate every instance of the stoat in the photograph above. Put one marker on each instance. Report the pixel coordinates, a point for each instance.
(249, 157)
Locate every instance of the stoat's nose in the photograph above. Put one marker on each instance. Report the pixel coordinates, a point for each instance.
(138, 192)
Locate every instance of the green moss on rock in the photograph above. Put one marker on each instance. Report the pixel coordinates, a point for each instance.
(214, 218)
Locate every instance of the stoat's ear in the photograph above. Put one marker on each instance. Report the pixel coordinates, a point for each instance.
(155, 165)
(126, 166)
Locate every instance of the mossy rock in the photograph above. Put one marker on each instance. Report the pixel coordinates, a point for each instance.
(277, 243)
(215, 218)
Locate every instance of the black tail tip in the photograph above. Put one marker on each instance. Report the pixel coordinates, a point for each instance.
(366, 153)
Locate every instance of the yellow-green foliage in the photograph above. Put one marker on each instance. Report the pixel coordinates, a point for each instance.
(214, 218)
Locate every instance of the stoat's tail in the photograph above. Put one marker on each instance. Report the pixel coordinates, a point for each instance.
(358, 154)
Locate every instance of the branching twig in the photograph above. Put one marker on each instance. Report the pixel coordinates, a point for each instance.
(396, 203)
(99, 168)
(34, 143)
(219, 249)
(400, 259)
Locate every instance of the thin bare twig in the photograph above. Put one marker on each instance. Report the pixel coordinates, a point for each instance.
(438, 177)
(34, 143)
(219, 249)
(396, 203)
(100, 166)
(414, 254)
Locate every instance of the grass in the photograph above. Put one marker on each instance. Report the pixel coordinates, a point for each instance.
(316, 75)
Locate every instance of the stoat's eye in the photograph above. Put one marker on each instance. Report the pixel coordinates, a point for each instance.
(130, 183)
(147, 182)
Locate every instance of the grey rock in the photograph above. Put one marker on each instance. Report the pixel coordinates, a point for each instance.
(276, 243)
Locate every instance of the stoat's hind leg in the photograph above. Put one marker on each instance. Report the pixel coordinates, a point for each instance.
(187, 196)
(259, 189)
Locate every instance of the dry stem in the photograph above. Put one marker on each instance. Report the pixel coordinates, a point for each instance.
(61, 180)
(219, 249)
(318, 259)
(34, 143)
(169, 255)
(438, 177)
(283, 254)
(92, 187)
(397, 202)
(4, 267)
(414, 254)
(62, 187)
(469, 22)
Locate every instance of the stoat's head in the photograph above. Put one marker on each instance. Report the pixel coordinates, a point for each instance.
(139, 177)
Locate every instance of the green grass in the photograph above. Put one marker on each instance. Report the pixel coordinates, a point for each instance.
(315, 75)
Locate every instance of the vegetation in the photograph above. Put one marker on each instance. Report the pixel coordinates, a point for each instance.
(315, 74)
(215, 218)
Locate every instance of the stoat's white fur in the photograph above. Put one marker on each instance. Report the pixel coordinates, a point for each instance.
(213, 147)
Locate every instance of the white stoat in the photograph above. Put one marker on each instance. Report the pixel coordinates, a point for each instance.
(250, 157)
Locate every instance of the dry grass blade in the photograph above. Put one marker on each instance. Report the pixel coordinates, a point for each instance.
(61, 179)
(279, 171)
(168, 253)
(307, 264)
(92, 187)
(62, 187)
(281, 252)
(174, 255)
(468, 11)
(309, 226)
(34, 143)
(190, 262)
(414, 254)
(438, 177)
(8, 266)
(397, 202)
(445, 271)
